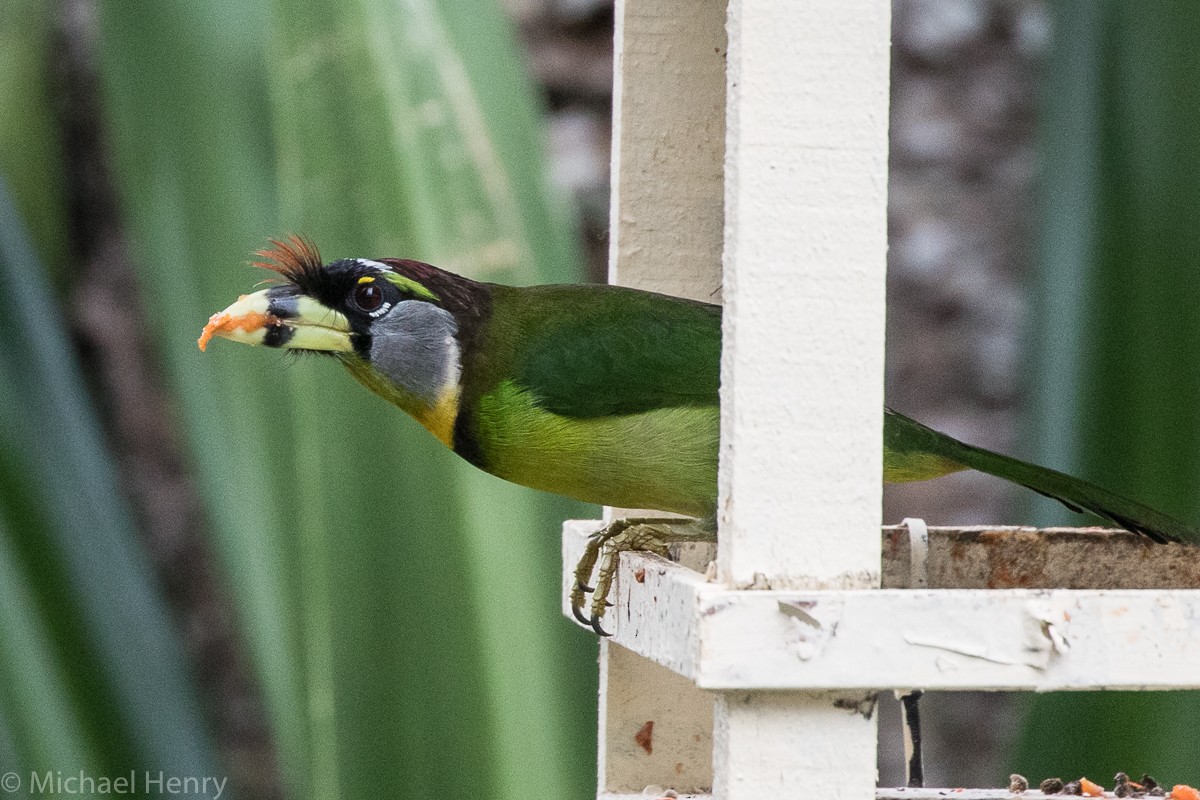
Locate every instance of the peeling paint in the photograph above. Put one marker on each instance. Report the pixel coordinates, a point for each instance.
(1048, 625)
(810, 625)
(979, 650)
(798, 609)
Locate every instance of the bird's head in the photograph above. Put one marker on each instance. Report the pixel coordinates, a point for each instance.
(394, 323)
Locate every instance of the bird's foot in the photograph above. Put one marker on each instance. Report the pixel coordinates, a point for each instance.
(605, 547)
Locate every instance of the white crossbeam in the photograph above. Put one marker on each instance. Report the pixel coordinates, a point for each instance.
(978, 639)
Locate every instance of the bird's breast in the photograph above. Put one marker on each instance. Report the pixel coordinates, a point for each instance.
(664, 459)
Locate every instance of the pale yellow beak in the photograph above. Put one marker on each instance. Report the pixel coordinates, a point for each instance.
(280, 317)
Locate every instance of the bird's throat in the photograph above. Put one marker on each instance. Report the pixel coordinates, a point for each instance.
(438, 417)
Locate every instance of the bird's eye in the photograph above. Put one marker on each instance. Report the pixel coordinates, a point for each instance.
(368, 297)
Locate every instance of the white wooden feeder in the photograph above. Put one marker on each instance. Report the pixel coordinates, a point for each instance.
(750, 161)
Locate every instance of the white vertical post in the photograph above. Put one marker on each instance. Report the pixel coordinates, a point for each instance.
(802, 360)
(667, 201)
(793, 744)
(655, 726)
(666, 230)
(805, 249)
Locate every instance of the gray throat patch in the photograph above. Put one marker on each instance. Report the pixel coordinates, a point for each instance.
(413, 345)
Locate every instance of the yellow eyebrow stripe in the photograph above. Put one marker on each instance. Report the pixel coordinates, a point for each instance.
(367, 279)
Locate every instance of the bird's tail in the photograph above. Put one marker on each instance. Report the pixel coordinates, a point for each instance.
(911, 440)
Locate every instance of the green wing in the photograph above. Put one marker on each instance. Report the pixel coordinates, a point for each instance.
(596, 351)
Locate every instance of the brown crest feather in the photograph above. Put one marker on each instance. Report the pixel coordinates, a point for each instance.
(296, 259)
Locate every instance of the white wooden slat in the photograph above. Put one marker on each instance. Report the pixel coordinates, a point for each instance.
(656, 725)
(667, 212)
(1009, 557)
(804, 266)
(760, 750)
(667, 202)
(949, 639)
(801, 370)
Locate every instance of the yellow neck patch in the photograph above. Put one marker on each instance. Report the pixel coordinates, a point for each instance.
(439, 418)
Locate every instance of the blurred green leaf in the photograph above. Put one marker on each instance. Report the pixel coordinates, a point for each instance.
(95, 676)
(30, 147)
(1116, 348)
(190, 138)
(409, 129)
(402, 609)
(43, 723)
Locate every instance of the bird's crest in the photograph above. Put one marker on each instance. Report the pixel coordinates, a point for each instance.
(296, 259)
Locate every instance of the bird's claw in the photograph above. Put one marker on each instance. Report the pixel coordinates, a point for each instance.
(577, 611)
(595, 623)
(604, 548)
(592, 622)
